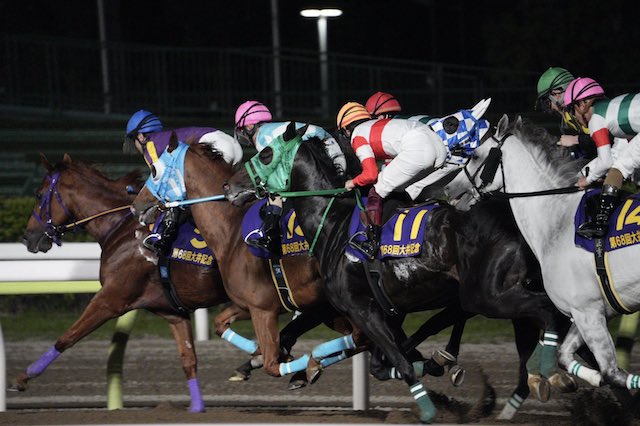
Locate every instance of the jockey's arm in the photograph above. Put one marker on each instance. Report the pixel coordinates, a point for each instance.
(367, 158)
(599, 166)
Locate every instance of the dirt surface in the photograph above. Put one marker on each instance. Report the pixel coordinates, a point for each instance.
(73, 390)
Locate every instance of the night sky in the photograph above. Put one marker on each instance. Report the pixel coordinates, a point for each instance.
(591, 38)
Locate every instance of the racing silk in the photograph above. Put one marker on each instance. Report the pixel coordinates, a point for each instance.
(570, 125)
(412, 145)
(157, 142)
(424, 119)
(620, 117)
(268, 131)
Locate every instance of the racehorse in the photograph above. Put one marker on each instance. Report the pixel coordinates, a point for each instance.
(529, 167)
(128, 275)
(247, 279)
(486, 282)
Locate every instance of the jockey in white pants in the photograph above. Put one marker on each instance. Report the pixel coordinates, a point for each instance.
(618, 117)
(415, 149)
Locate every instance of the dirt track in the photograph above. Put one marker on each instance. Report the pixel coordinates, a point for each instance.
(73, 389)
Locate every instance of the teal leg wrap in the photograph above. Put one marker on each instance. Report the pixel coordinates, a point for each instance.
(633, 381)
(427, 409)
(418, 367)
(239, 342)
(549, 359)
(333, 346)
(294, 366)
(325, 362)
(533, 364)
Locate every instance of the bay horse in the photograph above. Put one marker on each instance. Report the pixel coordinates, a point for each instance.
(128, 275)
(247, 279)
(531, 165)
(489, 271)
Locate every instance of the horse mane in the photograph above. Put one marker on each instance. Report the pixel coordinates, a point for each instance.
(315, 146)
(555, 161)
(94, 175)
(354, 166)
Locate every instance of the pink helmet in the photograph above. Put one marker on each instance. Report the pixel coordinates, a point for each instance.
(582, 88)
(252, 112)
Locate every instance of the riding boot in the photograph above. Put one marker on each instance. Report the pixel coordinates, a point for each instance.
(598, 227)
(270, 239)
(161, 243)
(370, 246)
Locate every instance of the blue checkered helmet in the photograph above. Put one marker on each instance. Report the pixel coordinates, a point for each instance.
(143, 122)
(463, 130)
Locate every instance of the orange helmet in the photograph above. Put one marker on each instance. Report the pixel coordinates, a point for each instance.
(382, 103)
(350, 112)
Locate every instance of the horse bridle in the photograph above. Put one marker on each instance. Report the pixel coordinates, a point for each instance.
(487, 169)
(55, 232)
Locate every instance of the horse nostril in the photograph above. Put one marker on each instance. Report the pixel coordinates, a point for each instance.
(226, 187)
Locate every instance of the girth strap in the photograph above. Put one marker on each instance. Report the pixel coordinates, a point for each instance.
(373, 272)
(603, 277)
(279, 279)
(168, 287)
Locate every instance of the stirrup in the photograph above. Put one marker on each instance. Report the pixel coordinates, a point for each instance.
(151, 241)
(592, 230)
(366, 247)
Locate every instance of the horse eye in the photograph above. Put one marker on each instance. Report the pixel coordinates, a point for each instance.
(474, 156)
(266, 156)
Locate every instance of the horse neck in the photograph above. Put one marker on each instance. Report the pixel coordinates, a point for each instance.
(310, 212)
(90, 199)
(218, 221)
(541, 219)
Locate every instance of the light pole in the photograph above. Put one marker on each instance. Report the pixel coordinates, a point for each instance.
(321, 15)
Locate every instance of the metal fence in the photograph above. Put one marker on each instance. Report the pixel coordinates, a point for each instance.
(63, 75)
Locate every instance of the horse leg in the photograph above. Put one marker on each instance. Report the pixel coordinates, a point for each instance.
(526, 335)
(624, 340)
(572, 341)
(222, 325)
(183, 334)
(370, 319)
(265, 324)
(592, 325)
(97, 312)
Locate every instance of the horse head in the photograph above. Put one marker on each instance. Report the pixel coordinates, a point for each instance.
(271, 165)
(480, 175)
(145, 207)
(51, 209)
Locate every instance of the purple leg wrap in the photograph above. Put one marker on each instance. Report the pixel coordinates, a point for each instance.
(197, 404)
(43, 362)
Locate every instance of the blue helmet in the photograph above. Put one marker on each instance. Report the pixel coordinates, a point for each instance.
(143, 122)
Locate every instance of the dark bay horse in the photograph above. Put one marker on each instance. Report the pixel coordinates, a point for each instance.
(490, 270)
(130, 280)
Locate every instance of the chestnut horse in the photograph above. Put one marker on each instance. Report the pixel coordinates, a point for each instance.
(128, 275)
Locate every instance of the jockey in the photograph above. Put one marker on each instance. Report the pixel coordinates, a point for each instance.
(253, 126)
(618, 117)
(416, 151)
(145, 133)
(551, 88)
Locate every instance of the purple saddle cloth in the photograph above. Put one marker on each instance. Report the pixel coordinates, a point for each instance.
(189, 246)
(291, 236)
(624, 224)
(402, 235)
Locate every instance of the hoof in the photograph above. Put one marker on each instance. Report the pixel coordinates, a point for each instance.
(442, 358)
(456, 375)
(298, 381)
(563, 383)
(539, 387)
(239, 376)
(314, 371)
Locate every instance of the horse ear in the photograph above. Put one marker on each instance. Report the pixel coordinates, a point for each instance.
(45, 162)
(173, 142)
(519, 121)
(501, 128)
(66, 158)
(480, 108)
(302, 130)
(290, 131)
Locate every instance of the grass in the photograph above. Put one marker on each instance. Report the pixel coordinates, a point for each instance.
(48, 325)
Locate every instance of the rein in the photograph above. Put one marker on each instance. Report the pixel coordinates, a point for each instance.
(488, 169)
(64, 228)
